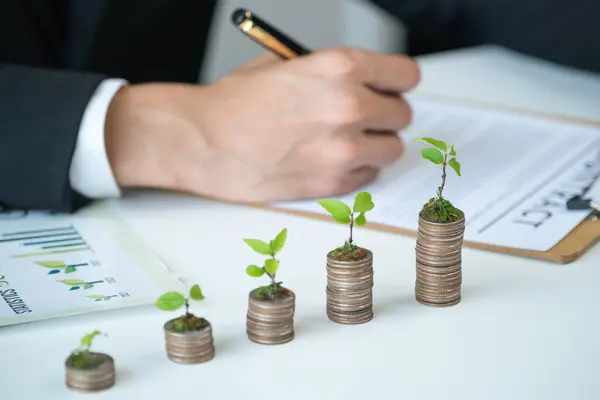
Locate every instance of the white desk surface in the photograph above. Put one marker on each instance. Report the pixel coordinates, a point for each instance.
(524, 329)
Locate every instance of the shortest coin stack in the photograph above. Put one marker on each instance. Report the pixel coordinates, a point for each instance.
(92, 380)
(271, 321)
(350, 289)
(439, 263)
(190, 347)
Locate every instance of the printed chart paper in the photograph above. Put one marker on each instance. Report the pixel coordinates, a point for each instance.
(53, 266)
(517, 174)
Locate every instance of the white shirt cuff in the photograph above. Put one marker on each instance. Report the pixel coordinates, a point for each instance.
(90, 173)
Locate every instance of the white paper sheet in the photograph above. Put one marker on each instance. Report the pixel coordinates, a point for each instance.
(517, 174)
(56, 265)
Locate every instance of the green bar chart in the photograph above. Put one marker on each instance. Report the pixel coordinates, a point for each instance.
(46, 241)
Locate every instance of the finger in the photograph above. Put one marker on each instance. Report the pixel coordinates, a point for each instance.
(379, 112)
(345, 152)
(377, 150)
(383, 72)
(338, 185)
(301, 186)
(386, 72)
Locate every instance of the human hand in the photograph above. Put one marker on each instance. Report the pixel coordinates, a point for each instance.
(271, 130)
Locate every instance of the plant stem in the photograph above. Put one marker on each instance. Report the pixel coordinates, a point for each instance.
(441, 188)
(273, 284)
(351, 226)
(187, 307)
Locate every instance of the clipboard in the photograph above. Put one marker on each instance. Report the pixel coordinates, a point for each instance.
(580, 240)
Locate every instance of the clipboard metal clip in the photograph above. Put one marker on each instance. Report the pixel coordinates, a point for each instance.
(588, 201)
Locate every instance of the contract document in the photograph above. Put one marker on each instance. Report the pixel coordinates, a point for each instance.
(518, 172)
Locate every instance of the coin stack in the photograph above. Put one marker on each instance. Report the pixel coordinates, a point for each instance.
(271, 321)
(350, 289)
(94, 379)
(439, 268)
(191, 347)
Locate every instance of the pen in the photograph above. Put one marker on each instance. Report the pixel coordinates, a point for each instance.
(266, 35)
(274, 40)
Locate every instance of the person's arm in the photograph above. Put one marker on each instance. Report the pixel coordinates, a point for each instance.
(234, 140)
(430, 24)
(433, 12)
(559, 31)
(90, 173)
(52, 155)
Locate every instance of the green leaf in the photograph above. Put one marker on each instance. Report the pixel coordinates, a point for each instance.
(51, 264)
(259, 246)
(88, 286)
(72, 282)
(255, 271)
(96, 296)
(452, 151)
(437, 143)
(361, 220)
(196, 293)
(86, 340)
(363, 202)
(69, 270)
(343, 219)
(170, 301)
(271, 266)
(455, 166)
(338, 210)
(433, 155)
(74, 288)
(279, 241)
(54, 271)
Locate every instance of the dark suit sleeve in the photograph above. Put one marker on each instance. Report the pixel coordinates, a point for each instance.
(40, 114)
(431, 25)
(561, 31)
(420, 12)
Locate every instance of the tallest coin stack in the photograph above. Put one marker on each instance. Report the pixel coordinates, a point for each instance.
(439, 262)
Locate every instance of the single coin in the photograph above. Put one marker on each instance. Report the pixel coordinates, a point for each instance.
(358, 317)
(437, 304)
(441, 277)
(425, 237)
(436, 290)
(438, 248)
(439, 263)
(438, 270)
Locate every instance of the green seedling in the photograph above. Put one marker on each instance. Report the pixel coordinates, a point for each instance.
(343, 214)
(172, 301)
(439, 209)
(82, 357)
(271, 264)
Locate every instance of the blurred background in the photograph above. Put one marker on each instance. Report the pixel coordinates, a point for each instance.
(332, 23)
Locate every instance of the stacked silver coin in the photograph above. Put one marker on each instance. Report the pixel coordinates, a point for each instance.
(350, 289)
(439, 263)
(271, 321)
(92, 380)
(191, 347)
